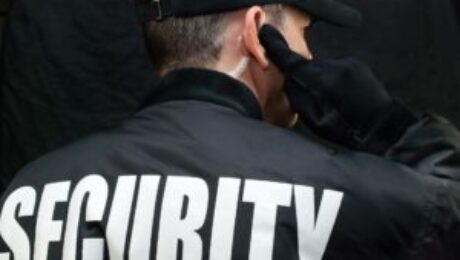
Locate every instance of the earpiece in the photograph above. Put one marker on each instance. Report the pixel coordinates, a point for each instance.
(240, 68)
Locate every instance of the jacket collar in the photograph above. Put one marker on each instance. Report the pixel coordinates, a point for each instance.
(208, 86)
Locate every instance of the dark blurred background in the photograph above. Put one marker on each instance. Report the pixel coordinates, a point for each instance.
(412, 45)
(4, 7)
(70, 68)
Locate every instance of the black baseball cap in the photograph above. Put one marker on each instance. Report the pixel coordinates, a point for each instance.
(332, 11)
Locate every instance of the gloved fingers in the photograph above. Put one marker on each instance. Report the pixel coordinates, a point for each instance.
(318, 115)
(351, 85)
(304, 101)
(340, 79)
(278, 50)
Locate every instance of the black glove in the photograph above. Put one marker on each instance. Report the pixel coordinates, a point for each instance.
(339, 100)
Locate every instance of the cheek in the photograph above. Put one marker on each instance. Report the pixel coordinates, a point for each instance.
(301, 47)
(298, 43)
(308, 53)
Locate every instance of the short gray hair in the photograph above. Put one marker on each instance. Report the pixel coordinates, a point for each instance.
(179, 42)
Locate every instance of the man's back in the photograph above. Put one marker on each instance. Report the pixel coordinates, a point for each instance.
(196, 175)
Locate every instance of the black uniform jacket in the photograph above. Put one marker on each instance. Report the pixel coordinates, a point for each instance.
(196, 174)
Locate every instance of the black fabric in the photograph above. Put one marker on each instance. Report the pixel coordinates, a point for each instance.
(328, 10)
(71, 68)
(340, 100)
(74, 67)
(389, 129)
(205, 85)
(387, 211)
(432, 146)
(4, 7)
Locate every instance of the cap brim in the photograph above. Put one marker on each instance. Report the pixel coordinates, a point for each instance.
(331, 11)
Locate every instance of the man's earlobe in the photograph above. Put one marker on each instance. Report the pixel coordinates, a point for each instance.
(254, 19)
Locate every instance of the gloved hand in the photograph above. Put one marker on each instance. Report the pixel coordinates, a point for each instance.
(339, 100)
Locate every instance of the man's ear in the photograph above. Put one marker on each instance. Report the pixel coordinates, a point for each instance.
(254, 19)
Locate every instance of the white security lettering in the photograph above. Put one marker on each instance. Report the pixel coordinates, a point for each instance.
(313, 236)
(117, 226)
(22, 201)
(173, 227)
(47, 229)
(223, 226)
(96, 189)
(267, 197)
(143, 220)
(93, 249)
(184, 206)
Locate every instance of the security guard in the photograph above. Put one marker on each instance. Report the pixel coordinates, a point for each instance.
(249, 148)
